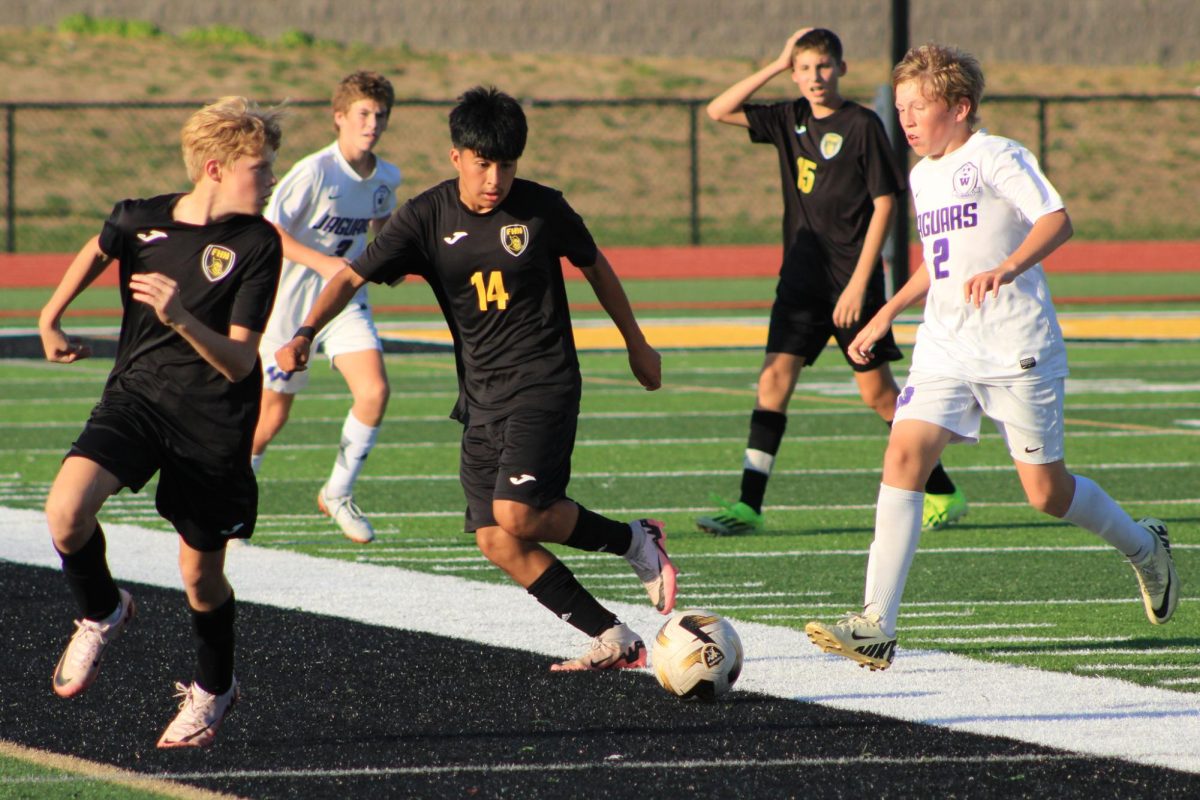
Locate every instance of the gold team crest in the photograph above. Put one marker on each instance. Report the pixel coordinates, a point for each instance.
(831, 145)
(515, 239)
(217, 262)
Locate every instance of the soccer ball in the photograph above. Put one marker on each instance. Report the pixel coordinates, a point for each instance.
(697, 655)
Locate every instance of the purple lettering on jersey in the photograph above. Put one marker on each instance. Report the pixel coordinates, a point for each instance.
(946, 219)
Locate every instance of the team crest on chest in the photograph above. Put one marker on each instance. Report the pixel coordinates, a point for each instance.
(831, 145)
(217, 262)
(382, 194)
(966, 180)
(514, 238)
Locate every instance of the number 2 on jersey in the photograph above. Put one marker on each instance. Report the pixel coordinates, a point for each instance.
(941, 254)
(492, 292)
(806, 174)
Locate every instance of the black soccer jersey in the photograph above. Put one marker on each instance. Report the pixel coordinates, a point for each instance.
(831, 170)
(227, 273)
(498, 279)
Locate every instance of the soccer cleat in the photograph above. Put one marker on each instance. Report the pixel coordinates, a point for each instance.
(616, 648)
(648, 557)
(1156, 574)
(80, 662)
(200, 715)
(348, 516)
(858, 637)
(939, 510)
(731, 519)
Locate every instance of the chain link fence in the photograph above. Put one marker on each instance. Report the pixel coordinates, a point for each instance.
(642, 172)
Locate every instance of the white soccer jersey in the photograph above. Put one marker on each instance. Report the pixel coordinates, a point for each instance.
(974, 207)
(324, 204)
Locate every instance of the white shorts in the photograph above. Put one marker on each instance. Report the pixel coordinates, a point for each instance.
(351, 331)
(1029, 416)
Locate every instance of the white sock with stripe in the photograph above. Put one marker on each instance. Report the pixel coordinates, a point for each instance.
(357, 441)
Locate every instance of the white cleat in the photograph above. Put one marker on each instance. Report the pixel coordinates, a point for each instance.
(1156, 574)
(200, 715)
(348, 516)
(80, 662)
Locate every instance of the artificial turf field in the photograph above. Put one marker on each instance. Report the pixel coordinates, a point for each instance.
(380, 709)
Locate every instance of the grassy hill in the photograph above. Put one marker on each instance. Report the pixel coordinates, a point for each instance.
(1127, 168)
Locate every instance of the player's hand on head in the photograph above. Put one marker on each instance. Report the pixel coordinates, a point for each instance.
(786, 56)
(160, 293)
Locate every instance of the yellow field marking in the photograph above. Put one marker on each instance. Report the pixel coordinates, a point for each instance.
(753, 333)
(108, 773)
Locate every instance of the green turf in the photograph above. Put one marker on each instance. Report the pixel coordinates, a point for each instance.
(24, 780)
(1007, 584)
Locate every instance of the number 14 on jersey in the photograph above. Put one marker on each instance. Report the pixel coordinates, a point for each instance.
(490, 290)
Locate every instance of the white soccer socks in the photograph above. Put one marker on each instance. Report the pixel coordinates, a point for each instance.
(357, 441)
(897, 534)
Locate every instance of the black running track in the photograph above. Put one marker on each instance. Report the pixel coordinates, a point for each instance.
(374, 712)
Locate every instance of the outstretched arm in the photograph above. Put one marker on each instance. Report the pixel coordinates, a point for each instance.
(644, 360)
(293, 356)
(87, 265)
(324, 265)
(727, 106)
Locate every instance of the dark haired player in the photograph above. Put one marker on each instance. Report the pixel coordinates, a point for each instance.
(840, 181)
(490, 245)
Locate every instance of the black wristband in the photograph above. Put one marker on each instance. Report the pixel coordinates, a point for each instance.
(307, 331)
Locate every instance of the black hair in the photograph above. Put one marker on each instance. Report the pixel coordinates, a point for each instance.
(490, 123)
(821, 40)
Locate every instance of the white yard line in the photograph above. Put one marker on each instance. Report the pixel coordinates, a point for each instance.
(1087, 715)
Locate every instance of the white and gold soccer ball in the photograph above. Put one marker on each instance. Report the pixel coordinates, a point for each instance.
(697, 655)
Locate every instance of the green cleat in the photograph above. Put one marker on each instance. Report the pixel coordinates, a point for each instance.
(942, 509)
(731, 520)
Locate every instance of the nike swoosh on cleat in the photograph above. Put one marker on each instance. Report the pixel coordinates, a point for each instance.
(1158, 612)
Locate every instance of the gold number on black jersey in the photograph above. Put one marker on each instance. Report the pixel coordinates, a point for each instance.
(806, 174)
(491, 291)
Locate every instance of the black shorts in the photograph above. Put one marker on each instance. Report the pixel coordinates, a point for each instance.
(525, 457)
(208, 499)
(803, 329)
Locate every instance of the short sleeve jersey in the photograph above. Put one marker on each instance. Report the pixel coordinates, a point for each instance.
(324, 204)
(974, 207)
(831, 170)
(226, 272)
(498, 279)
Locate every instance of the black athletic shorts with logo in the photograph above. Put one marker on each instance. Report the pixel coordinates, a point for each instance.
(209, 498)
(802, 329)
(525, 456)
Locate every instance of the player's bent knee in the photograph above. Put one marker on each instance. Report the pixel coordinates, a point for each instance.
(518, 519)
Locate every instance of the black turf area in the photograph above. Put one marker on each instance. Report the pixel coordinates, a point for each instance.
(323, 694)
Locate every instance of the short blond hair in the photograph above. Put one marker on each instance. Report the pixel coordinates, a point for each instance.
(946, 73)
(226, 130)
(363, 85)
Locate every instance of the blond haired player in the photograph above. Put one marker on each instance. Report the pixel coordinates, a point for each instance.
(198, 273)
(990, 344)
(325, 206)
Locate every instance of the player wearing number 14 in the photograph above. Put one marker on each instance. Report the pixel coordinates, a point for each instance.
(490, 247)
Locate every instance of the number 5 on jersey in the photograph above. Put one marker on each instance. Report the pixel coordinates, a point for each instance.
(490, 291)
